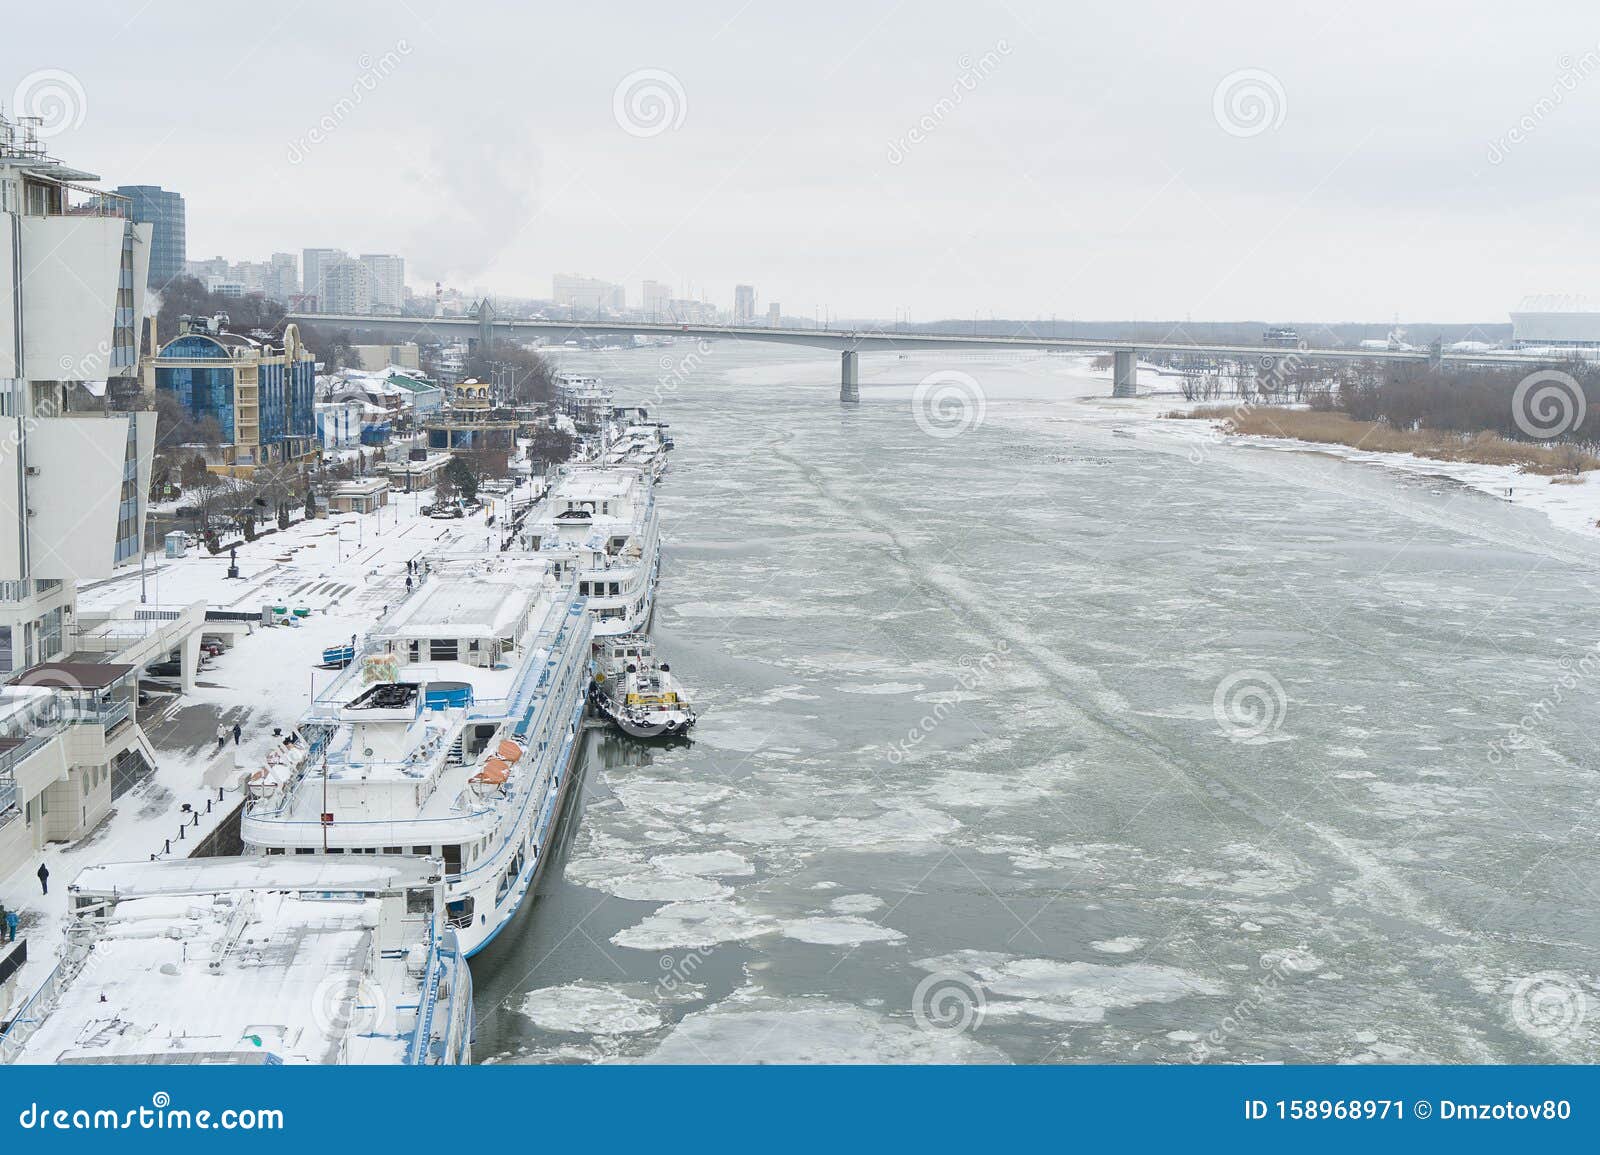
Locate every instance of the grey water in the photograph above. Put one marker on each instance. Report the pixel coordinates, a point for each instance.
(1042, 734)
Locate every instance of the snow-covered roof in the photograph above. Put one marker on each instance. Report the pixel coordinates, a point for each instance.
(214, 875)
(469, 603)
(241, 960)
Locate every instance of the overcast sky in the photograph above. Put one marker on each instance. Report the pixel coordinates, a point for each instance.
(1293, 161)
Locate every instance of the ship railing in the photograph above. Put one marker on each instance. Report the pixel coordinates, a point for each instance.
(25, 1023)
(422, 1032)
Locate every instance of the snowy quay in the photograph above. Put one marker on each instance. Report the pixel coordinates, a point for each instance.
(252, 674)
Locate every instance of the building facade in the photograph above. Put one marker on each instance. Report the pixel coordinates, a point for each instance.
(74, 267)
(1565, 330)
(346, 287)
(163, 210)
(312, 264)
(656, 300)
(588, 294)
(262, 397)
(386, 290)
(744, 304)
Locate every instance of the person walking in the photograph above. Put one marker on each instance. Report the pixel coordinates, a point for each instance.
(236, 732)
(222, 737)
(2, 922)
(11, 925)
(44, 879)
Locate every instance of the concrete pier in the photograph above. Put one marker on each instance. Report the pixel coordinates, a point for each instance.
(849, 376)
(1125, 373)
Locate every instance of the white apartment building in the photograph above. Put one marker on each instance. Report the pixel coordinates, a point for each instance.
(73, 270)
(587, 294)
(387, 282)
(346, 288)
(313, 263)
(656, 300)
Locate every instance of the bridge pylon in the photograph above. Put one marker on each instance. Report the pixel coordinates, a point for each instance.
(1125, 373)
(850, 376)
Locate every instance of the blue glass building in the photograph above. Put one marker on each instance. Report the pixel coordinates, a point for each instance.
(262, 397)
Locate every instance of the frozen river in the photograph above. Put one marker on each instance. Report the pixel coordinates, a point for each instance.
(1052, 737)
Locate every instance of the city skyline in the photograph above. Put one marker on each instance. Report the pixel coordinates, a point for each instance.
(1256, 179)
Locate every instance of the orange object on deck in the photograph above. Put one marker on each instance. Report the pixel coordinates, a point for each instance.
(493, 772)
(510, 751)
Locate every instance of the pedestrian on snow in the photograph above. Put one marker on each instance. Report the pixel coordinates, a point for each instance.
(236, 733)
(44, 878)
(222, 736)
(408, 584)
(11, 926)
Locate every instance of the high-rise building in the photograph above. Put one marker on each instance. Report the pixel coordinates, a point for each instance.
(588, 294)
(774, 316)
(162, 209)
(73, 276)
(655, 301)
(346, 287)
(282, 277)
(312, 262)
(744, 304)
(387, 290)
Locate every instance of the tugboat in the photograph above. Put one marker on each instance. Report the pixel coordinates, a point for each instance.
(636, 692)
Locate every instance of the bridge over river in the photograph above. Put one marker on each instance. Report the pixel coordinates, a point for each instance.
(484, 327)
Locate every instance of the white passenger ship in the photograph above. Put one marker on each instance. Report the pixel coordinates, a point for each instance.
(453, 735)
(253, 961)
(583, 398)
(601, 524)
(637, 442)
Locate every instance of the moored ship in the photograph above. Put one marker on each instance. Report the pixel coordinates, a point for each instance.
(253, 961)
(601, 525)
(637, 692)
(453, 734)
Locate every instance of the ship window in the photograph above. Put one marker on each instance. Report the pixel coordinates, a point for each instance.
(583, 589)
(442, 650)
(425, 851)
(452, 858)
(305, 849)
(274, 850)
(419, 900)
(459, 914)
(393, 850)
